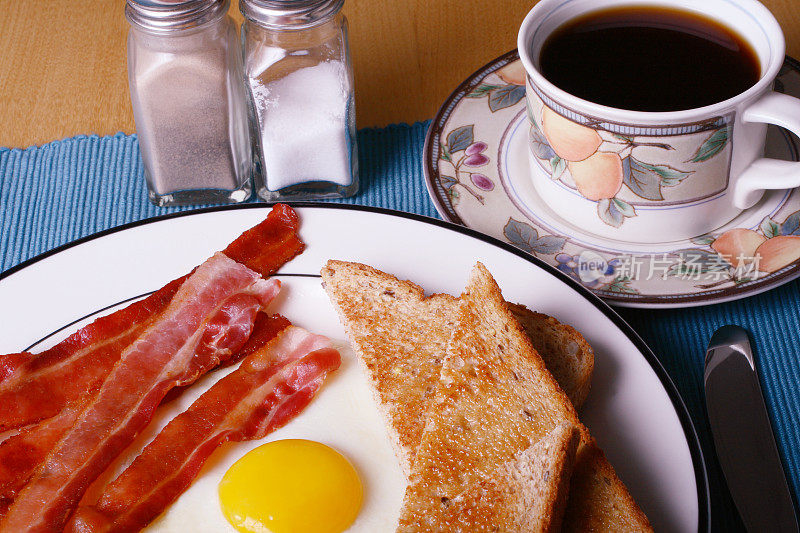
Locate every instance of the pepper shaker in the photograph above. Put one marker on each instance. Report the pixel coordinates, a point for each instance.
(189, 101)
(300, 81)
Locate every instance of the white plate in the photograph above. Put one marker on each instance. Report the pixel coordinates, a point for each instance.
(633, 410)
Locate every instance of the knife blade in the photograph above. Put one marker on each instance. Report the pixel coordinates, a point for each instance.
(743, 435)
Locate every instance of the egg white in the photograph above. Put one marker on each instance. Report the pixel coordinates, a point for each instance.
(343, 415)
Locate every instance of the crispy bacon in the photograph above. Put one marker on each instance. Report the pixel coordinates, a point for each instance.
(35, 387)
(269, 388)
(269, 245)
(40, 386)
(265, 328)
(22, 453)
(9, 363)
(186, 340)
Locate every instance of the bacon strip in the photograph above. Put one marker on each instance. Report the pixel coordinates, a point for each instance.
(269, 388)
(36, 387)
(42, 388)
(22, 453)
(9, 363)
(41, 385)
(209, 318)
(269, 245)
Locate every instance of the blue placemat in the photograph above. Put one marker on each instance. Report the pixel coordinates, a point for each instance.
(55, 193)
(58, 192)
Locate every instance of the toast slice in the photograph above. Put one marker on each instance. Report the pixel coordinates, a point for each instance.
(565, 352)
(401, 337)
(526, 495)
(495, 398)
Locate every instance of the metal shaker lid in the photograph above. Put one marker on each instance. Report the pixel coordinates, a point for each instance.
(289, 14)
(169, 15)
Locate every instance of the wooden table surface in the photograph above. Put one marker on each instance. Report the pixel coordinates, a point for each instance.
(63, 66)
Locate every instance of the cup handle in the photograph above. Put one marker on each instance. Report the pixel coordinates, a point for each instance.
(764, 173)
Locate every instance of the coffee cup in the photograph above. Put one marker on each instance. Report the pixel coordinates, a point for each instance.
(656, 176)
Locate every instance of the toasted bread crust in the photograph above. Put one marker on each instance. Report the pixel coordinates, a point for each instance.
(495, 398)
(551, 472)
(598, 500)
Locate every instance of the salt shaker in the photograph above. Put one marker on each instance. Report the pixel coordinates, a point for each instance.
(189, 101)
(300, 81)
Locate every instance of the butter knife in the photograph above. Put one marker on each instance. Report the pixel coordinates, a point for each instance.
(743, 435)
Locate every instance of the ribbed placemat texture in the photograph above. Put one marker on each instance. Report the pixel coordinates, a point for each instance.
(55, 193)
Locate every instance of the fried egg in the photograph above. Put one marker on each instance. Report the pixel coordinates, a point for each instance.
(291, 486)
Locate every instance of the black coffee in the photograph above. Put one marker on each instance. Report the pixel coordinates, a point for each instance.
(648, 59)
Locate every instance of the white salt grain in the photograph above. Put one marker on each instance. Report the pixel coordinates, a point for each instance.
(303, 126)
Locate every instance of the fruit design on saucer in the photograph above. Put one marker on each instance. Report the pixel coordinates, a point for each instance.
(741, 255)
(464, 156)
(513, 73)
(527, 238)
(460, 157)
(506, 94)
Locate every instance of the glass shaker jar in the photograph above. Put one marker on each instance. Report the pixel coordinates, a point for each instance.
(189, 101)
(302, 113)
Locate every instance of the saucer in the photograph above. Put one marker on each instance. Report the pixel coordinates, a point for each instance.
(478, 175)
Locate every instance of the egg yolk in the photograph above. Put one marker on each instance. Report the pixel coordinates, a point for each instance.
(291, 486)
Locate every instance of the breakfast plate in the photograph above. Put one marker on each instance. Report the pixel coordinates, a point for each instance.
(478, 175)
(633, 409)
